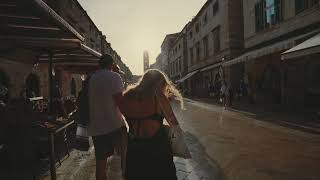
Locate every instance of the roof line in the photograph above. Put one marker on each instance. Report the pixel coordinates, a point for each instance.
(85, 12)
(200, 11)
(59, 20)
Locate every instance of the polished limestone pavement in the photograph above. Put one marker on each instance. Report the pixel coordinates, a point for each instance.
(226, 144)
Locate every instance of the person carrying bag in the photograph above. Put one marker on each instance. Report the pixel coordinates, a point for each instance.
(175, 135)
(83, 118)
(150, 150)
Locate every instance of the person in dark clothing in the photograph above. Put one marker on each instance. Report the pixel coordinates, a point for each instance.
(83, 103)
(149, 154)
(4, 94)
(231, 95)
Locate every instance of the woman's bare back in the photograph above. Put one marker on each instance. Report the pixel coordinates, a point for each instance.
(136, 109)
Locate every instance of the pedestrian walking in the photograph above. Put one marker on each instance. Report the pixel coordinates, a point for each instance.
(145, 105)
(3, 94)
(230, 95)
(242, 89)
(106, 125)
(211, 89)
(223, 91)
(83, 117)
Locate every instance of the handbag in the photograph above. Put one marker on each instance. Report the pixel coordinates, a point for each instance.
(82, 139)
(178, 146)
(175, 137)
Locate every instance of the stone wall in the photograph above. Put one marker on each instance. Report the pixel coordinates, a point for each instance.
(228, 21)
(290, 22)
(75, 15)
(176, 58)
(65, 81)
(16, 73)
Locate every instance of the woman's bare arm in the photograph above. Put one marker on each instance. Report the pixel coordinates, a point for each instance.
(167, 110)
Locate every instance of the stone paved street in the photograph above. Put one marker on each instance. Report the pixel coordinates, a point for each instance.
(226, 144)
(246, 148)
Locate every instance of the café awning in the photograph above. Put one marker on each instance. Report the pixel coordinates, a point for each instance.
(273, 48)
(189, 75)
(33, 18)
(308, 47)
(31, 32)
(280, 46)
(79, 60)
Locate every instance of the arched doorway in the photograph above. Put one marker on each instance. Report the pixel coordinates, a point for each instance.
(32, 85)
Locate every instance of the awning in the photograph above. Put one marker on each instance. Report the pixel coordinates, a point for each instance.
(79, 60)
(69, 54)
(211, 67)
(260, 52)
(308, 47)
(30, 28)
(277, 47)
(189, 75)
(79, 54)
(32, 36)
(33, 18)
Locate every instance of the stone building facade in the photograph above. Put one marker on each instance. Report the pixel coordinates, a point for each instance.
(13, 75)
(178, 57)
(74, 13)
(213, 36)
(270, 31)
(162, 60)
(77, 17)
(16, 75)
(107, 49)
(158, 64)
(242, 41)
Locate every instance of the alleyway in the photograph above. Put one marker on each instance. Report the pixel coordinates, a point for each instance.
(232, 145)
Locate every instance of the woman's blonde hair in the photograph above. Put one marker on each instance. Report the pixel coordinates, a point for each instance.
(152, 81)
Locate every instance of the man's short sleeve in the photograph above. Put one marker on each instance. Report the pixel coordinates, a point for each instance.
(117, 84)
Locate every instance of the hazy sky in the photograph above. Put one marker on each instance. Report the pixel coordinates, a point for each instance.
(132, 26)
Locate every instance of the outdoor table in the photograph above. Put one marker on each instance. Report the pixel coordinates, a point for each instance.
(52, 130)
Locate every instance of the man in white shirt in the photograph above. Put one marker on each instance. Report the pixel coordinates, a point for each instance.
(106, 125)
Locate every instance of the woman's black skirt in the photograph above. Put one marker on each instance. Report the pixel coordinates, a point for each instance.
(150, 159)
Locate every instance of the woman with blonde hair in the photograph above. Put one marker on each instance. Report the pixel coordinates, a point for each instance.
(145, 105)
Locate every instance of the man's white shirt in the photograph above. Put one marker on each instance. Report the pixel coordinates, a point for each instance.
(105, 116)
